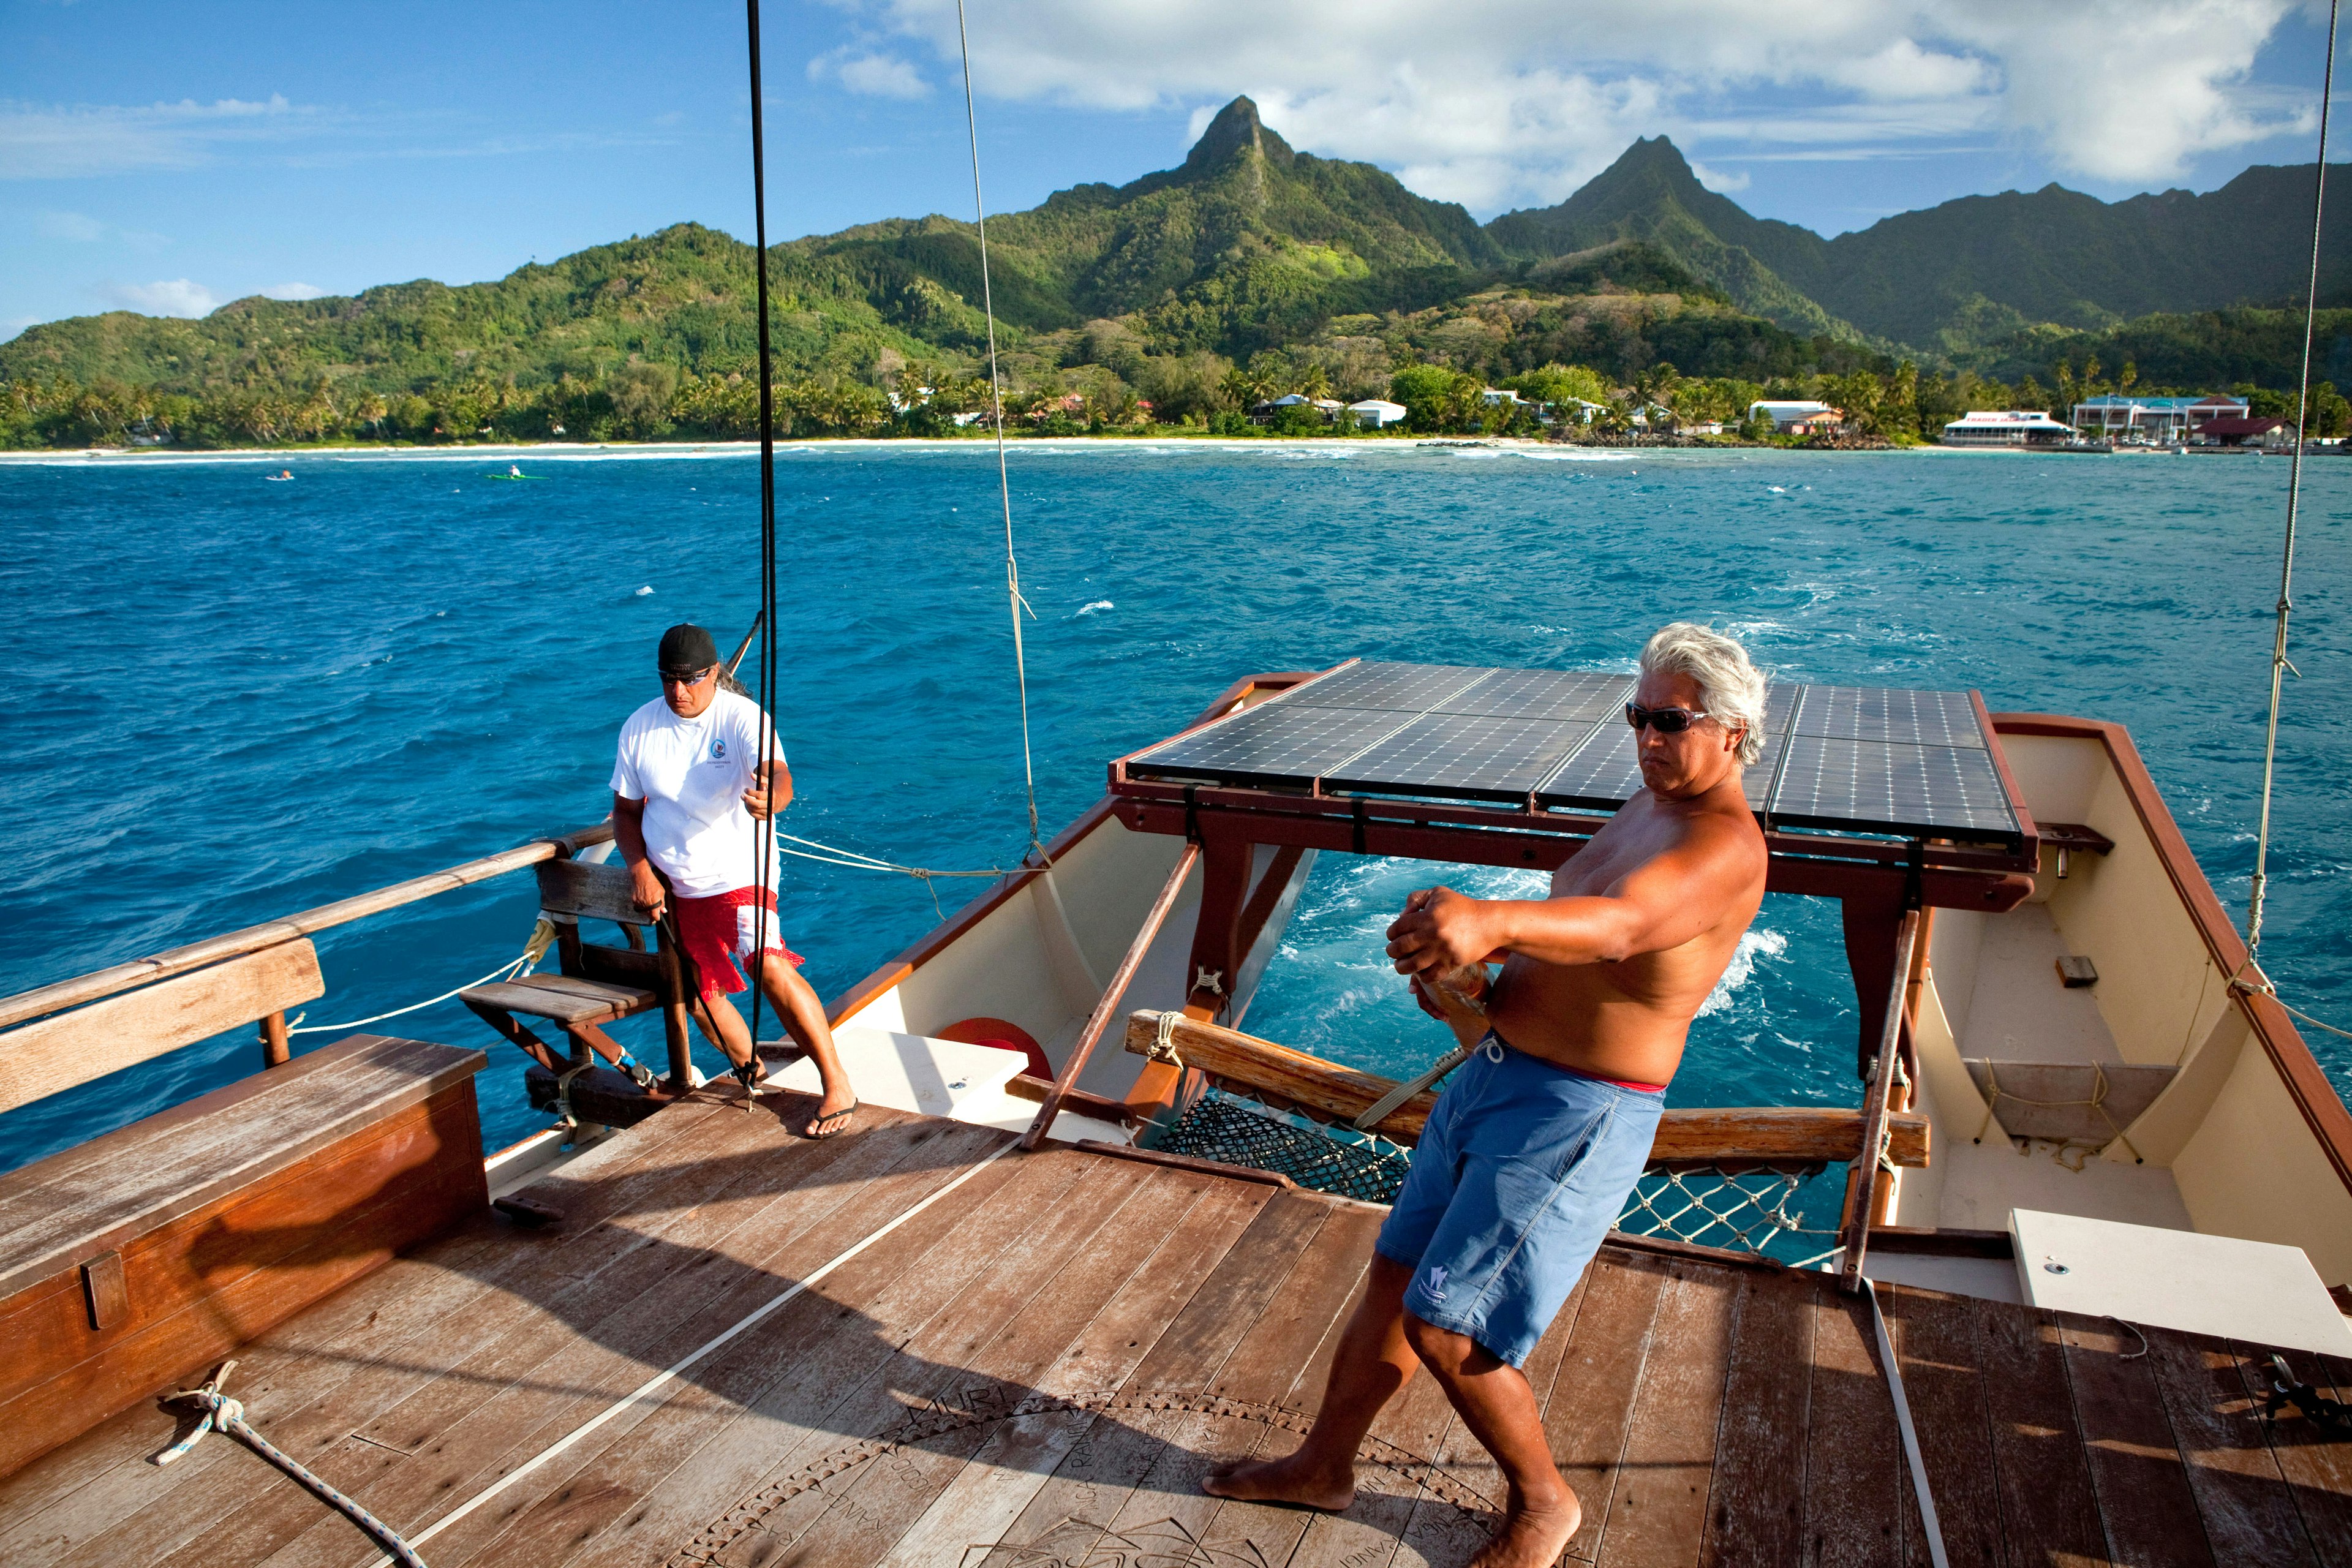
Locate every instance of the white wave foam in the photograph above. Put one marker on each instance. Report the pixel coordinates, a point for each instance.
(1770, 943)
(1097, 605)
(643, 592)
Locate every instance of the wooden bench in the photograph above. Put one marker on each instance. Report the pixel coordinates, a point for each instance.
(136, 1260)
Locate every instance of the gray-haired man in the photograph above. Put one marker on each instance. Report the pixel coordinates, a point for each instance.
(1528, 1156)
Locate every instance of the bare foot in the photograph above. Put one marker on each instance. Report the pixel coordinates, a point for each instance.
(1283, 1480)
(1532, 1536)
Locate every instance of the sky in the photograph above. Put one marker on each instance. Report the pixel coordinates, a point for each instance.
(168, 158)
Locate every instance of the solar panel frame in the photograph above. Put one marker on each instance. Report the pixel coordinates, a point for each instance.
(1601, 774)
(1891, 715)
(1461, 756)
(1269, 744)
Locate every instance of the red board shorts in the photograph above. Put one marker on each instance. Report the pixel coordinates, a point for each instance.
(718, 934)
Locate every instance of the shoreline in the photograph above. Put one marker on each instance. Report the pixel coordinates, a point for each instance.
(91, 457)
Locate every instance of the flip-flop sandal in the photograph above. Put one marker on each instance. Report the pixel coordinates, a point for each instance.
(817, 1131)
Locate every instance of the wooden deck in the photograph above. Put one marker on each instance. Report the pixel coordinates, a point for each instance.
(1036, 1368)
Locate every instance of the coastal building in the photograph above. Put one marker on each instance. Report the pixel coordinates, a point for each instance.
(1828, 422)
(2006, 428)
(2151, 419)
(1577, 409)
(1499, 394)
(1376, 414)
(1785, 414)
(2241, 430)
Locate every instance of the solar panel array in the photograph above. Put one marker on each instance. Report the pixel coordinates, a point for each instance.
(1841, 758)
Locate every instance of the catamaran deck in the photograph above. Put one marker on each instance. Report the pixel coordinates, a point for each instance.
(1037, 1368)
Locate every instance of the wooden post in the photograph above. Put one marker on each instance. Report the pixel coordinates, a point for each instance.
(1214, 969)
(1106, 1007)
(1861, 1181)
(277, 1048)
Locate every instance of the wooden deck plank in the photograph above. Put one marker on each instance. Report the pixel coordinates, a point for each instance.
(2316, 1464)
(1111, 1456)
(202, 1503)
(581, 1377)
(1857, 1488)
(2048, 1510)
(1934, 1339)
(103, 1478)
(2250, 1512)
(1755, 1505)
(755, 1442)
(976, 1352)
(1143, 1467)
(404, 1405)
(1005, 1472)
(2137, 1474)
(1657, 1515)
(1592, 1404)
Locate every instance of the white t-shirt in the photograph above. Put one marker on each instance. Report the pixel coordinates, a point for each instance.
(692, 773)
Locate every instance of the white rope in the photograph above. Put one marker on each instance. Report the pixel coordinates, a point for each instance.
(2279, 665)
(500, 973)
(1003, 479)
(1930, 1525)
(669, 1374)
(858, 861)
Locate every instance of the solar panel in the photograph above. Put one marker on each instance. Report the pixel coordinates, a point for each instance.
(1878, 713)
(1603, 772)
(1411, 687)
(1271, 743)
(1874, 787)
(1461, 755)
(1844, 758)
(1554, 694)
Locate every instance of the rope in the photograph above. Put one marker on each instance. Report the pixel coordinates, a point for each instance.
(762, 828)
(669, 1374)
(223, 1413)
(1003, 479)
(2098, 1102)
(502, 972)
(1930, 1525)
(2279, 665)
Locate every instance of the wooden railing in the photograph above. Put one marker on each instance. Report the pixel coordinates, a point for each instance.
(1727, 1137)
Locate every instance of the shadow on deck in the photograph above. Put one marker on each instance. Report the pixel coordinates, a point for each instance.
(1037, 1368)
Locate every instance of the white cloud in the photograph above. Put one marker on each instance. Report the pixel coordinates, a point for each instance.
(41, 142)
(69, 226)
(293, 292)
(1720, 181)
(1497, 103)
(172, 297)
(874, 75)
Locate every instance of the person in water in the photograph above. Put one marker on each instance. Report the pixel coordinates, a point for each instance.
(686, 794)
(1531, 1148)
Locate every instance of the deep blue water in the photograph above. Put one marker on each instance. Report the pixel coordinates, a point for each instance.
(235, 699)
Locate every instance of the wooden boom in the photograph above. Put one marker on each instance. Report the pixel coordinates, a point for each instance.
(1729, 1136)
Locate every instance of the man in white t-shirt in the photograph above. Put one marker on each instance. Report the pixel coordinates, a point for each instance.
(686, 794)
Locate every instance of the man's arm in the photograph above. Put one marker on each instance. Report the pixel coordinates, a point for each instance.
(1661, 904)
(629, 834)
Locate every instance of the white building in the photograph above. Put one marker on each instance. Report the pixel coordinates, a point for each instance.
(2006, 428)
(1373, 413)
(1784, 415)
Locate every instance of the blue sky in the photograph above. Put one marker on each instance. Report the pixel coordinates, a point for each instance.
(171, 157)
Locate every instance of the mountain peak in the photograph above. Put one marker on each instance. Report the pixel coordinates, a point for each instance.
(1654, 153)
(1235, 129)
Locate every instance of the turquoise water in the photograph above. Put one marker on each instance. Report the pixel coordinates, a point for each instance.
(236, 699)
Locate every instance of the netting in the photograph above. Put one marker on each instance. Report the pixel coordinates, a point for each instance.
(1745, 1211)
(1234, 1130)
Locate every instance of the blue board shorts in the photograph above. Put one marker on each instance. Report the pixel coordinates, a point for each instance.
(1520, 1173)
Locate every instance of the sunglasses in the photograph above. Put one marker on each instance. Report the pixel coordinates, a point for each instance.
(687, 676)
(1665, 721)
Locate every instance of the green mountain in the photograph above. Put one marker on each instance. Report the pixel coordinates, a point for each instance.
(1971, 274)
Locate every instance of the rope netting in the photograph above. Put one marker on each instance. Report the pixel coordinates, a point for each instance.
(1741, 1210)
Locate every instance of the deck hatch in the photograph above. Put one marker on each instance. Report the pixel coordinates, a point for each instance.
(1845, 758)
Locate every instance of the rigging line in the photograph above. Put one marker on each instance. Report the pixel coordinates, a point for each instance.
(2293, 502)
(500, 973)
(762, 828)
(1003, 479)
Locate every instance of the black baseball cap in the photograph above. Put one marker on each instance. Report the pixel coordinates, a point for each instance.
(687, 650)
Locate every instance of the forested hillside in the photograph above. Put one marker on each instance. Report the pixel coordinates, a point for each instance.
(1250, 269)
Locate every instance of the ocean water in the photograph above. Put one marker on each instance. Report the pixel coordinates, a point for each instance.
(236, 699)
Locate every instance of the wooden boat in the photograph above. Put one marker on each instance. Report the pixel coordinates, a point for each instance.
(1002, 1321)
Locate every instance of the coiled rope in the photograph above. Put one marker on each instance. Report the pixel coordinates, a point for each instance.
(222, 1413)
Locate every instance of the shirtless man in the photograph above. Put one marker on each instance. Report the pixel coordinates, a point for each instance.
(1528, 1156)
